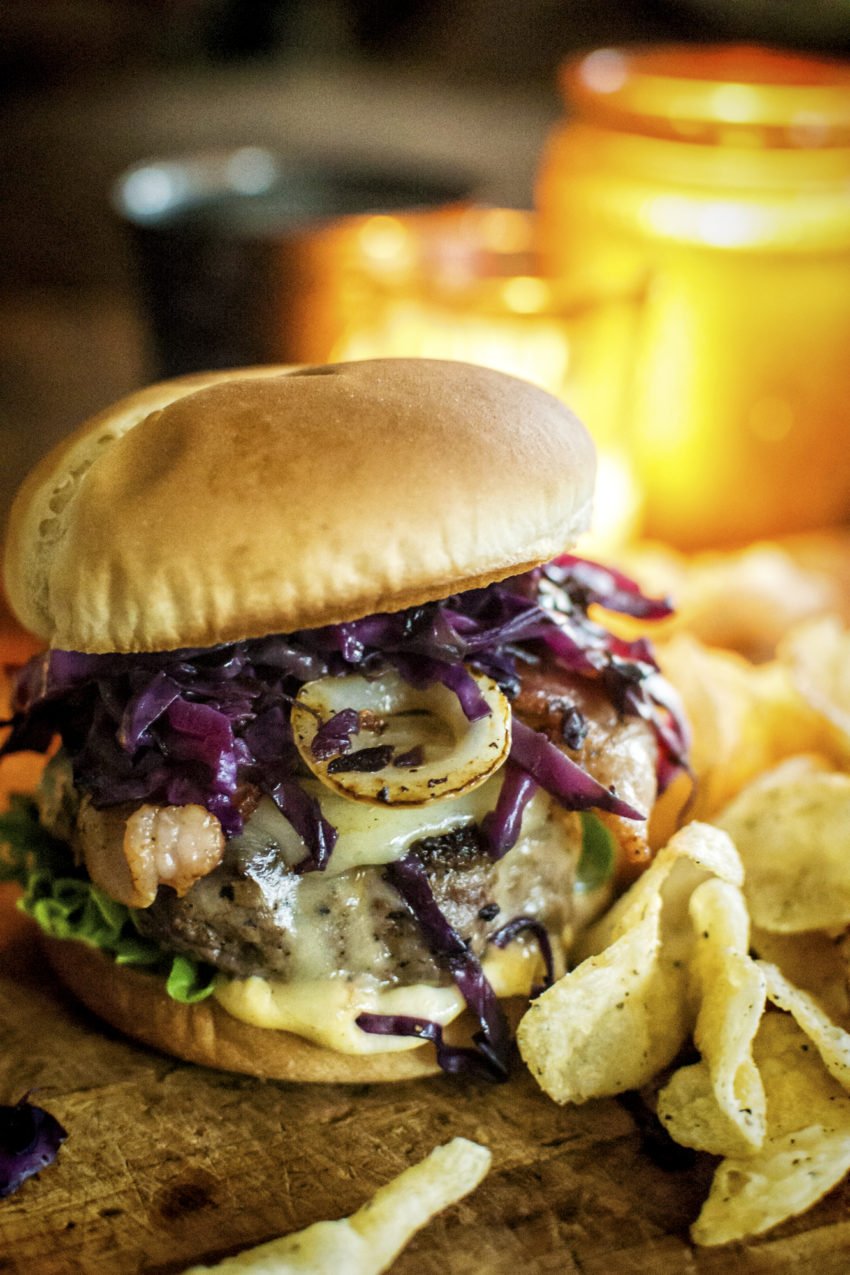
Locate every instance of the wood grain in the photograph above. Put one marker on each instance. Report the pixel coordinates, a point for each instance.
(168, 1164)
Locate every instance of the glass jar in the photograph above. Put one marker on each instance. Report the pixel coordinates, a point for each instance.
(466, 284)
(719, 180)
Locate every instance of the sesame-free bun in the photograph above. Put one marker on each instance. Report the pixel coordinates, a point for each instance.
(231, 505)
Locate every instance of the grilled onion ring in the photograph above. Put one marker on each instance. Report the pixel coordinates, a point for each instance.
(396, 718)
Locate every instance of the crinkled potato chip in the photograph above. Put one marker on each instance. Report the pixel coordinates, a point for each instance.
(792, 836)
(813, 961)
(744, 718)
(817, 655)
(696, 851)
(806, 1150)
(831, 1041)
(610, 1024)
(745, 600)
(621, 1015)
(369, 1241)
(718, 1104)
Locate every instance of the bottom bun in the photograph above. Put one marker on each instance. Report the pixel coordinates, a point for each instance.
(137, 1004)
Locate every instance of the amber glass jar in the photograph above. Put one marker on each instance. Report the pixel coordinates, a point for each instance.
(719, 178)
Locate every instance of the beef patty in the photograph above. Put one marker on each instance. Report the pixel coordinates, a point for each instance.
(255, 915)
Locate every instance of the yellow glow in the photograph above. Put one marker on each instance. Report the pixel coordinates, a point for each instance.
(720, 177)
(504, 230)
(617, 504)
(737, 103)
(771, 419)
(384, 241)
(525, 294)
(720, 223)
(537, 349)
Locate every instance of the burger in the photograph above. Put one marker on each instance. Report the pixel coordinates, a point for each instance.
(340, 754)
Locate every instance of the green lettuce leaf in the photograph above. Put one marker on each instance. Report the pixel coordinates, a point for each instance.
(66, 905)
(598, 854)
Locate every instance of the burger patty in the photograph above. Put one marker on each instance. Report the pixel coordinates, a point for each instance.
(255, 915)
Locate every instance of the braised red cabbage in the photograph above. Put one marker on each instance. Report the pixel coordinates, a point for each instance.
(529, 925)
(453, 1059)
(493, 1039)
(198, 725)
(500, 827)
(30, 1139)
(334, 736)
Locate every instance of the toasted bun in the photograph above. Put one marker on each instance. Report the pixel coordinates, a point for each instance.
(137, 1004)
(214, 508)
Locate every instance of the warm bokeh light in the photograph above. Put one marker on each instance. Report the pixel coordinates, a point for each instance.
(466, 286)
(720, 178)
(685, 287)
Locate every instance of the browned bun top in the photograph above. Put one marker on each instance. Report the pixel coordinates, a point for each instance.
(232, 505)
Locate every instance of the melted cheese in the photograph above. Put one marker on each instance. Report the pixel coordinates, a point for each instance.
(368, 834)
(324, 1010)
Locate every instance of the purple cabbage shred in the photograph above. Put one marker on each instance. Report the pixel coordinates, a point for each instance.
(453, 1059)
(199, 725)
(493, 1040)
(30, 1139)
(334, 736)
(500, 827)
(529, 925)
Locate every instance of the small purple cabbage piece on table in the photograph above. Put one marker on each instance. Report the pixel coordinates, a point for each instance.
(30, 1139)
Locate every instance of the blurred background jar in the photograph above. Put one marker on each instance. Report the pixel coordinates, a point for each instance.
(467, 284)
(718, 180)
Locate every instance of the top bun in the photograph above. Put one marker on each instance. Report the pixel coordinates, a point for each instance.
(231, 505)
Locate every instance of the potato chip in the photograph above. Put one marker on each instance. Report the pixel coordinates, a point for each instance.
(744, 718)
(830, 1040)
(744, 600)
(806, 1150)
(817, 655)
(369, 1241)
(696, 851)
(718, 1104)
(621, 1015)
(792, 836)
(610, 1024)
(813, 961)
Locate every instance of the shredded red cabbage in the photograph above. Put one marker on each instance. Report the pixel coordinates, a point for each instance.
(529, 925)
(590, 582)
(362, 760)
(198, 725)
(492, 1041)
(305, 815)
(563, 778)
(500, 827)
(334, 736)
(30, 1139)
(453, 1059)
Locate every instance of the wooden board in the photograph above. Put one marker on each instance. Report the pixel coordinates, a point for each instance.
(167, 1164)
